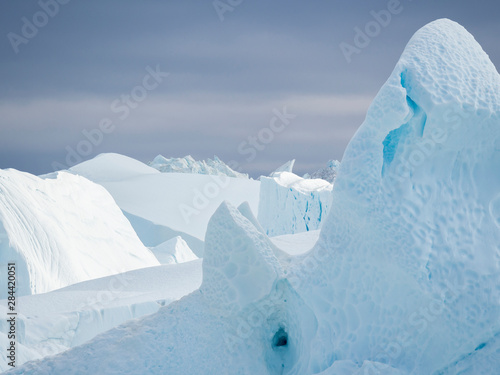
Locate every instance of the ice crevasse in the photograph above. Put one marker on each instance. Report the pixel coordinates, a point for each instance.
(405, 277)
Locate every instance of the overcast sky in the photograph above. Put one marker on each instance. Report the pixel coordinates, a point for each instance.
(232, 65)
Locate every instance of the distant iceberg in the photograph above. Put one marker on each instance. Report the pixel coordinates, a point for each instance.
(290, 204)
(188, 165)
(327, 173)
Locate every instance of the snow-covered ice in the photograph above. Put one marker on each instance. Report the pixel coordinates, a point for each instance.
(296, 244)
(407, 267)
(237, 256)
(153, 235)
(63, 230)
(53, 322)
(175, 250)
(112, 167)
(181, 202)
(187, 164)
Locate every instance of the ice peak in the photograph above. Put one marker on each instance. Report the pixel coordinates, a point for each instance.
(239, 266)
(444, 63)
(188, 164)
(411, 203)
(287, 167)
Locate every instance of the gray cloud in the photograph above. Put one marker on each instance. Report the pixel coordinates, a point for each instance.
(225, 77)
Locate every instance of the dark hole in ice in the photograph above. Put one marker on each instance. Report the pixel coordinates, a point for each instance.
(280, 338)
(480, 346)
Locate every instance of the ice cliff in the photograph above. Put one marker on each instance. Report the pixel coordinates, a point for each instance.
(291, 204)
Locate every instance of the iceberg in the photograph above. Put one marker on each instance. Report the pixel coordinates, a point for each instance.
(187, 164)
(406, 270)
(173, 251)
(161, 206)
(327, 173)
(112, 167)
(61, 231)
(290, 204)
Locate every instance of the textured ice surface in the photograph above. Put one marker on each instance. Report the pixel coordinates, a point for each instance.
(281, 254)
(247, 212)
(291, 204)
(405, 276)
(188, 165)
(407, 267)
(327, 173)
(347, 367)
(260, 311)
(61, 231)
(239, 264)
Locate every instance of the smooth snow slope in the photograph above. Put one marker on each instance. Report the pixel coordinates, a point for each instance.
(112, 167)
(152, 234)
(52, 322)
(173, 251)
(405, 276)
(115, 167)
(182, 202)
(298, 243)
(61, 231)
